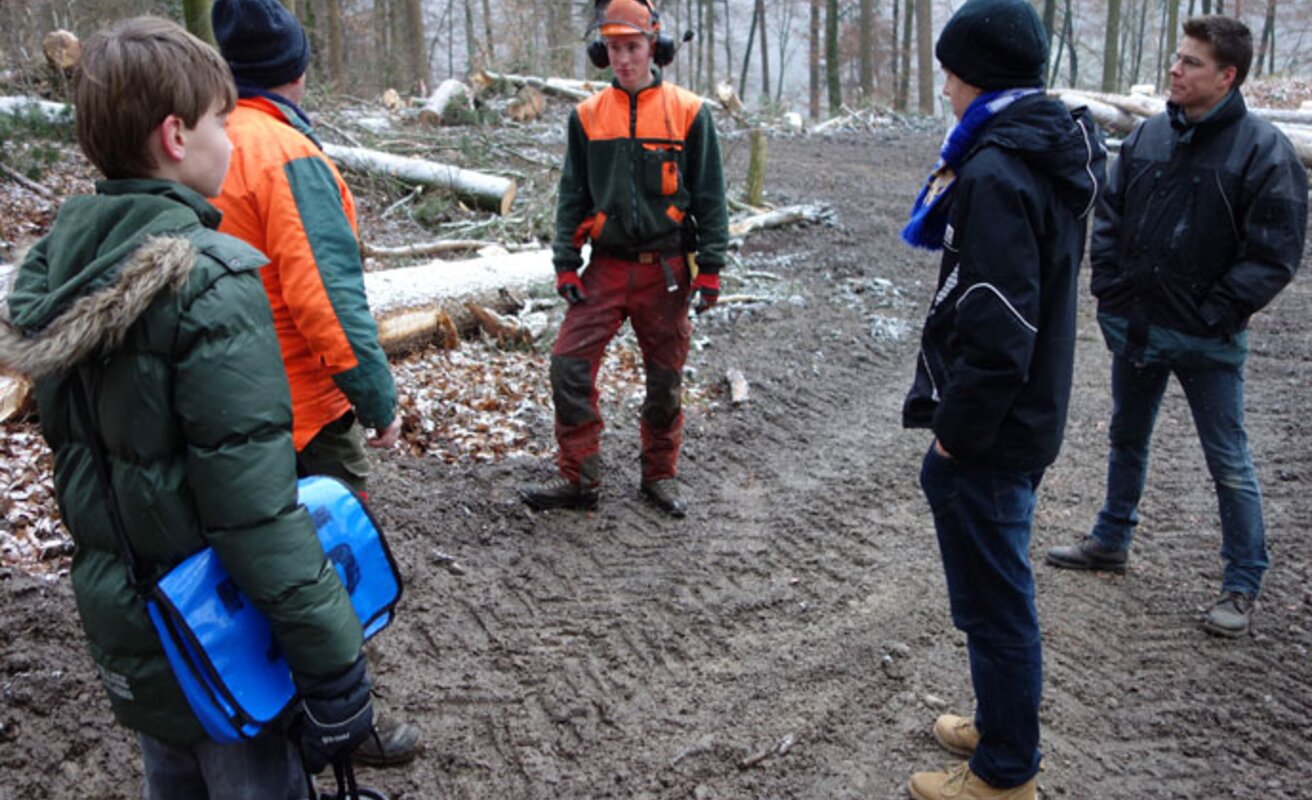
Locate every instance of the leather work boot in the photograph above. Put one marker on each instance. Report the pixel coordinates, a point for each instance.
(390, 743)
(560, 493)
(1090, 555)
(664, 494)
(959, 783)
(1229, 615)
(957, 735)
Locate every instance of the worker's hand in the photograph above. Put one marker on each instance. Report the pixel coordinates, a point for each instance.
(705, 291)
(570, 287)
(337, 714)
(387, 436)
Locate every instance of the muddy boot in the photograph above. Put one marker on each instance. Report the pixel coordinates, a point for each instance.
(960, 783)
(390, 743)
(957, 735)
(665, 495)
(564, 493)
(1229, 616)
(1088, 554)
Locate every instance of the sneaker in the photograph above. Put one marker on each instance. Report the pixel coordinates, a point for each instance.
(959, 783)
(665, 495)
(1229, 615)
(1089, 554)
(561, 493)
(957, 735)
(390, 743)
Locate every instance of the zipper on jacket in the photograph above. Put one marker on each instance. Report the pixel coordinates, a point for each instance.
(637, 158)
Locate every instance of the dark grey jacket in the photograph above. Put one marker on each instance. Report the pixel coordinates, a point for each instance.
(994, 375)
(1201, 226)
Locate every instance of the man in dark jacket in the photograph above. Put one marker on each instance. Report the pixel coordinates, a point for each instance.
(137, 305)
(1018, 175)
(1202, 224)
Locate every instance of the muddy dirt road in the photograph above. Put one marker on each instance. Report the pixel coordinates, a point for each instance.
(790, 638)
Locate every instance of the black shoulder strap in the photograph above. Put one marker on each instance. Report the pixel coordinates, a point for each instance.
(83, 407)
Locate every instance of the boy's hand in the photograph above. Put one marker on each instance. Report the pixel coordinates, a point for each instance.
(570, 287)
(705, 291)
(387, 436)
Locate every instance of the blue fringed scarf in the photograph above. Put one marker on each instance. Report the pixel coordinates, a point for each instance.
(929, 217)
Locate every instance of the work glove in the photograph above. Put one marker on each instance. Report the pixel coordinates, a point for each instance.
(337, 714)
(570, 287)
(705, 291)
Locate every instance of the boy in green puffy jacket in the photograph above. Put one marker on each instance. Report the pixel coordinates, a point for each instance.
(135, 298)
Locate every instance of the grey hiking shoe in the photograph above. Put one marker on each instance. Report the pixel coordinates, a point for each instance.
(665, 495)
(1088, 554)
(390, 743)
(1229, 615)
(561, 493)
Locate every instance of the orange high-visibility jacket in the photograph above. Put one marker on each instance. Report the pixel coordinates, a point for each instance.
(284, 197)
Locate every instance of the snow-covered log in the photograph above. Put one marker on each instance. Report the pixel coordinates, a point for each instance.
(562, 87)
(492, 192)
(1109, 117)
(408, 302)
(450, 97)
(425, 248)
(779, 217)
(53, 112)
(1135, 105)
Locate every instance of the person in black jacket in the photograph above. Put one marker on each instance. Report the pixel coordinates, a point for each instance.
(1017, 177)
(1202, 225)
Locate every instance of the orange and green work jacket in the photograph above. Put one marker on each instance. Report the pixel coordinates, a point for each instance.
(286, 199)
(642, 173)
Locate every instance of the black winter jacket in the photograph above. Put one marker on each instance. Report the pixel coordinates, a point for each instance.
(1201, 225)
(994, 375)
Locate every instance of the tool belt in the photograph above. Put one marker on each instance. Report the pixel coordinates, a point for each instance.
(662, 257)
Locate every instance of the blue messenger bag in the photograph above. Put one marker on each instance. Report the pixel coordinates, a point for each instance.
(219, 645)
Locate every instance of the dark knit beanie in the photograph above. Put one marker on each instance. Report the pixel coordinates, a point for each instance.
(261, 40)
(995, 44)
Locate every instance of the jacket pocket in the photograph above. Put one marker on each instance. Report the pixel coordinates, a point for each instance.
(660, 169)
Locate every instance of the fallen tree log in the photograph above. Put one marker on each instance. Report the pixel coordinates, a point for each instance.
(562, 87)
(491, 192)
(408, 302)
(449, 98)
(1109, 117)
(424, 248)
(788, 215)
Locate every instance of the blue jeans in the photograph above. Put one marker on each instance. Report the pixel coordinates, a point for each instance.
(1216, 399)
(266, 768)
(983, 518)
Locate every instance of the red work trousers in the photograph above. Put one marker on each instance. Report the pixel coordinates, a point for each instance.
(654, 297)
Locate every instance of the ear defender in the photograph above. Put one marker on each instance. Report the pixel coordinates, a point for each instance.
(597, 54)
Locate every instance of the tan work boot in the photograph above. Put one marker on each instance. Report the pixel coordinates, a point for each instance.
(959, 783)
(957, 735)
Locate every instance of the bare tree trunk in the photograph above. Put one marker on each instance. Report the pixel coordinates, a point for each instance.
(1172, 30)
(1267, 41)
(710, 46)
(1054, 64)
(1138, 44)
(489, 52)
(196, 16)
(903, 100)
(832, 78)
(765, 53)
(1070, 39)
(728, 43)
(384, 53)
(290, 5)
(1110, 59)
(895, 54)
(925, 50)
(747, 57)
(471, 44)
(1049, 19)
(336, 60)
(415, 41)
(867, 38)
(814, 59)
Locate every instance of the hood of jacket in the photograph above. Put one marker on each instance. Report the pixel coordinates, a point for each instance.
(1061, 144)
(106, 260)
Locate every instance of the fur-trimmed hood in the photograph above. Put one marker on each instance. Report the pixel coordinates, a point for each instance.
(96, 321)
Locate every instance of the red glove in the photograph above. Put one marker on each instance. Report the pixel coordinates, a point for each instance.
(569, 287)
(705, 291)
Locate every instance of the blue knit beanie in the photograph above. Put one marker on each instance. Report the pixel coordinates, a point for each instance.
(995, 44)
(261, 40)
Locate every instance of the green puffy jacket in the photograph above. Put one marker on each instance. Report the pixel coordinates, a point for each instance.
(166, 323)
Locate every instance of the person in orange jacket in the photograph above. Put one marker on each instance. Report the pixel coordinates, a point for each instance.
(284, 197)
(643, 182)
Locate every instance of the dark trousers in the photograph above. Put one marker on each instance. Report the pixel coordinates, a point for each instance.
(265, 768)
(983, 517)
(653, 297)
(337, 450)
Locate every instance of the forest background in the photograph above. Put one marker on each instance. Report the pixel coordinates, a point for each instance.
(815, 57)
